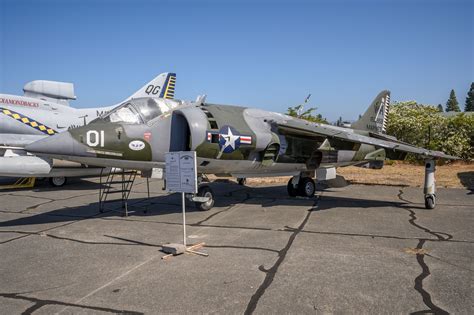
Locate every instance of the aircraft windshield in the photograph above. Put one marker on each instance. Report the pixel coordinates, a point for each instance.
(138, 111)
(125, 113)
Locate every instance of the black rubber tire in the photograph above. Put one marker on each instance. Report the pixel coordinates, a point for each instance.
(242, 181)
(57, 181)
(430, 202)
(306, 187)
(292, 191)
(205, 191)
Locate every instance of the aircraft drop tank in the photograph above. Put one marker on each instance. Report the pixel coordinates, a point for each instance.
(20, 166)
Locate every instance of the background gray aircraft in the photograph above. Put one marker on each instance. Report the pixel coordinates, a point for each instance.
(43, 111)
(234, 141)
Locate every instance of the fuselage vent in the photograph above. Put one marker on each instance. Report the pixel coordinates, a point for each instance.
(210, 118)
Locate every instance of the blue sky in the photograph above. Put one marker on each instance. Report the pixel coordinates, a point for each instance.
(265, 54)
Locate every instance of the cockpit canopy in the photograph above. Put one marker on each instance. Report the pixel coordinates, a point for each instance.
(140, 110)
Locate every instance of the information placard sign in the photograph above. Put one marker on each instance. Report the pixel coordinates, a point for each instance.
(181, 171)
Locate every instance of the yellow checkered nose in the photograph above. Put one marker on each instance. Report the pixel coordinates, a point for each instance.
(28, 121)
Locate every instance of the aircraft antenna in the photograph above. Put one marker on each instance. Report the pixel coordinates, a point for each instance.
(301, 107)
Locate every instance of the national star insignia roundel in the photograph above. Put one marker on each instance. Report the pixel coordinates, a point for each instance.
(229, 139)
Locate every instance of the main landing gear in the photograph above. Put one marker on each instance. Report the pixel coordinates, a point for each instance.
(301, 186)
(58, 181)
(429, 188)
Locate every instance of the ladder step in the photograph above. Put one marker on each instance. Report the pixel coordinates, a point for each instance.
(120, 182)
(110, 200)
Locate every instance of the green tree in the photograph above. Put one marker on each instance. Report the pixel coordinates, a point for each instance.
(440, 108)
(424, 126)
(452, 104)
(307, 114)
(469, 106)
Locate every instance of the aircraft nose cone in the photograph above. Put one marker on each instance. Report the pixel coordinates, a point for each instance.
(59, 144)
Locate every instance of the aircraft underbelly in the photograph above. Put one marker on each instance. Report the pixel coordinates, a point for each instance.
(215, 166)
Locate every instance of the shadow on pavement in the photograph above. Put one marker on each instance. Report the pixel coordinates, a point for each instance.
(227, 195)
(73, 183)
(467, 180)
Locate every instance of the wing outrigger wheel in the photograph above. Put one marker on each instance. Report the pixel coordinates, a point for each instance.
(430, 201)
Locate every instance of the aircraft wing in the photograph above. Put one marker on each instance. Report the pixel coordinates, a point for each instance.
(312, 130)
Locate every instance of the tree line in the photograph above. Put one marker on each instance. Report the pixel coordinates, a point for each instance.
(452, 104)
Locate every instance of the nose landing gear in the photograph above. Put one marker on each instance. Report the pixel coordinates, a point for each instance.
(204, 200)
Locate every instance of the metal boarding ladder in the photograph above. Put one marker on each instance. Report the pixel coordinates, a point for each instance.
(23, 182)
(116, 183)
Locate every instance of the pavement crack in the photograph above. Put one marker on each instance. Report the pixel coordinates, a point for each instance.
(62, 238)
(243, 247)
(38, 303)
(420, 258)
(441, 236)
(289, 229)
(449, 263)
(425, 272)
(271, 272)
(26, 234)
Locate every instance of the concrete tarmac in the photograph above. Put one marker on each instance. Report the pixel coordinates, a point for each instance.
(356, 249)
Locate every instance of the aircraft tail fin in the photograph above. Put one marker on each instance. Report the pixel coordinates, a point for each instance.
(162, 86)
(376, 117)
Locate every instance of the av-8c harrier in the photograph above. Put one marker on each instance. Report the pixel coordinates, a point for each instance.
(44, 111)
(234, 141)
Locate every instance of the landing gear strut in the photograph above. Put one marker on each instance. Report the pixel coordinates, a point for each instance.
(429, 188)
(301, 186)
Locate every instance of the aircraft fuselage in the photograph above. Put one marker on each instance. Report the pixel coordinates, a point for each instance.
(228, 140)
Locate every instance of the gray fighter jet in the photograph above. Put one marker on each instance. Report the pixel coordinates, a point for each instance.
(234, 141)
(44, 111)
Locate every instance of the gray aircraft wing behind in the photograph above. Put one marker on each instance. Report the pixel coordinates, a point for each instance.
(308, 129)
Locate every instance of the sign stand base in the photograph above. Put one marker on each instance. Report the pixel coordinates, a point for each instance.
(169, 248)
(181, 176)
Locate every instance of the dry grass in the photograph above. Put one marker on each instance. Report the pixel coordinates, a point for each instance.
(456, 175)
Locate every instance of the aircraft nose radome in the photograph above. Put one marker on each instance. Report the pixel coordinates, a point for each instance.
(59, 144)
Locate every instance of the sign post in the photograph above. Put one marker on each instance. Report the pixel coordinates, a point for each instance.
(181, 176)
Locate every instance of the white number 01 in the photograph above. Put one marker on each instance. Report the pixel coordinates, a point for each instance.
(93, 138)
